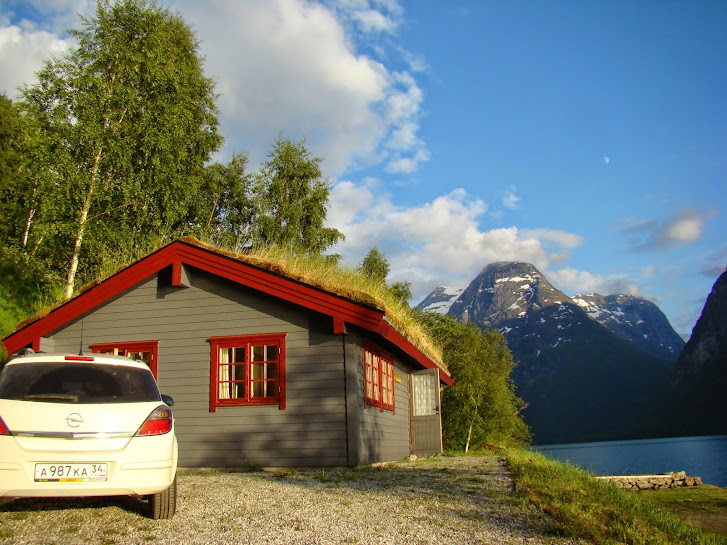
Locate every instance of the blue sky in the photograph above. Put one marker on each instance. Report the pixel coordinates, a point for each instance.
(587, 138)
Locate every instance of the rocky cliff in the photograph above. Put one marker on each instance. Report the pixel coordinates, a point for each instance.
(697, 397)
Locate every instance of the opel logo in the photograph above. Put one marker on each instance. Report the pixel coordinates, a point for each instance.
(74, 420)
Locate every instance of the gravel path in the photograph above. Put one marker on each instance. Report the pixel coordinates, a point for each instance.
(438, 501)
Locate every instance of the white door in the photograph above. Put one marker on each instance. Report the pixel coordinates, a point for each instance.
(426, 421)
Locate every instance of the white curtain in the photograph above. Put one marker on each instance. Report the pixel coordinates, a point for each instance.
(224, 374)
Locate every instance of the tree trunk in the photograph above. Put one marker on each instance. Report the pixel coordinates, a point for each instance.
(29, 220)
(75, 258)
(469, 436)
(476, 399)
(26, 231)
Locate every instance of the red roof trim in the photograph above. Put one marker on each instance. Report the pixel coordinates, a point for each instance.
(391, 334)
(180, 252)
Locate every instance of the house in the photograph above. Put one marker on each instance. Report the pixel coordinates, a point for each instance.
(264, 369)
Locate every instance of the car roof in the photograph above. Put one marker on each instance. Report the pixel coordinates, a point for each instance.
(103, 359)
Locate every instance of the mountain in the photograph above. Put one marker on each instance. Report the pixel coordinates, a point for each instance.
(441, 299)
(636, 319)
(583, 381)
(697, 397)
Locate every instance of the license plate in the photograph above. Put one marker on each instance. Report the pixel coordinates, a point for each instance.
(71, 473)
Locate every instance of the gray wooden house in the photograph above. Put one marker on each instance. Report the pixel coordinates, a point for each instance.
(264, 369)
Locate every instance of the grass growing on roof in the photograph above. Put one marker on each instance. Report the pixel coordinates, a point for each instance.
(316, 271)
(322, 273)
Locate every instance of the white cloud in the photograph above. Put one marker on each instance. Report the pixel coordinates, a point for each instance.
(573, 281)
(371, 20)
(407, 165)
(715, 264)
(54, 16)
(510, 200)
(291, 66)
(607, 160)
(438, 242)
(287, 67)
(685, 225)
(22, 54)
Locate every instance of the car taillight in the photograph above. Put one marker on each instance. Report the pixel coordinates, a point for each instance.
(80, 358)
(3, 428)
(159, 422)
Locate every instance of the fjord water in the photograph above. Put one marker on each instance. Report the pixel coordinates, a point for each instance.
(704, 457)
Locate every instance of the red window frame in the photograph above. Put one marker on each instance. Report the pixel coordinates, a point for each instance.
(378, 378)
(131, 349)
(231, 370)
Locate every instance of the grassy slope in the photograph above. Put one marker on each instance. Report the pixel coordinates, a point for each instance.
(703, 506)
(602, 513)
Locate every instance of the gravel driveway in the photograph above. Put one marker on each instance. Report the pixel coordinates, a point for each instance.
(436, 501)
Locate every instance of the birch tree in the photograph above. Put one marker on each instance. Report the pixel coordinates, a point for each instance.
(481, 406)
(291, 200)
(226, 204)
(130, 120)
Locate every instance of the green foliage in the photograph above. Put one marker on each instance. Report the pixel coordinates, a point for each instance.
(10, 132)
(291, 200)
(401, 290)
(481, 406)
(24, 289)
(125, 122)
(375, 265)
(598, 511)
(225, 204)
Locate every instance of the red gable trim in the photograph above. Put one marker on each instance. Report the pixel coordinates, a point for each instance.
(391, 334)
(179, 252)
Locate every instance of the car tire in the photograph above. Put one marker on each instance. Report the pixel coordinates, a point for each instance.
(164, 504)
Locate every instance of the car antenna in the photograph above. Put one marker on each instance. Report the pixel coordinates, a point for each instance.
(80, 348)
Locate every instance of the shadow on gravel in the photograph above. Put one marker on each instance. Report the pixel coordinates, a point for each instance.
(129, 504)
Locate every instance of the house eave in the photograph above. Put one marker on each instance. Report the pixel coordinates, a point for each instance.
(187, 252)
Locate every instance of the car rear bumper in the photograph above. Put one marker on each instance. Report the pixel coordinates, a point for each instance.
(147, 465)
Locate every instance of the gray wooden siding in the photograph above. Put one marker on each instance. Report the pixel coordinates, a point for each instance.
(380, 436)
(312, 429)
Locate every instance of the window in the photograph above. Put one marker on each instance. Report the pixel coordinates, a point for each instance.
(145, 351)
(378, 378)
(83, 383)
(247, 370)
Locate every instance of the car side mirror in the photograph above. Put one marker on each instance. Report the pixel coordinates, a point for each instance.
(167, 400)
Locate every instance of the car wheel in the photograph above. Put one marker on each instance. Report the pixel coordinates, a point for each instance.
(164, 504)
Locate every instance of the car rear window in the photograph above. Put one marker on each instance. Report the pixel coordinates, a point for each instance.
(85, 383)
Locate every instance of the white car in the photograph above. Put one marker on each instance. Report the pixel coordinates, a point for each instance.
(91, 425)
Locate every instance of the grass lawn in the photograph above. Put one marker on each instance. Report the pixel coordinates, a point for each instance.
(604, 514)
(704, 506)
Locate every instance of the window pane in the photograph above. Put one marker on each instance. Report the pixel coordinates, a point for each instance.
(86, 383)
(248, 370)
(271, 388)
(225, 355)
(271, 352)
(239, 372)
